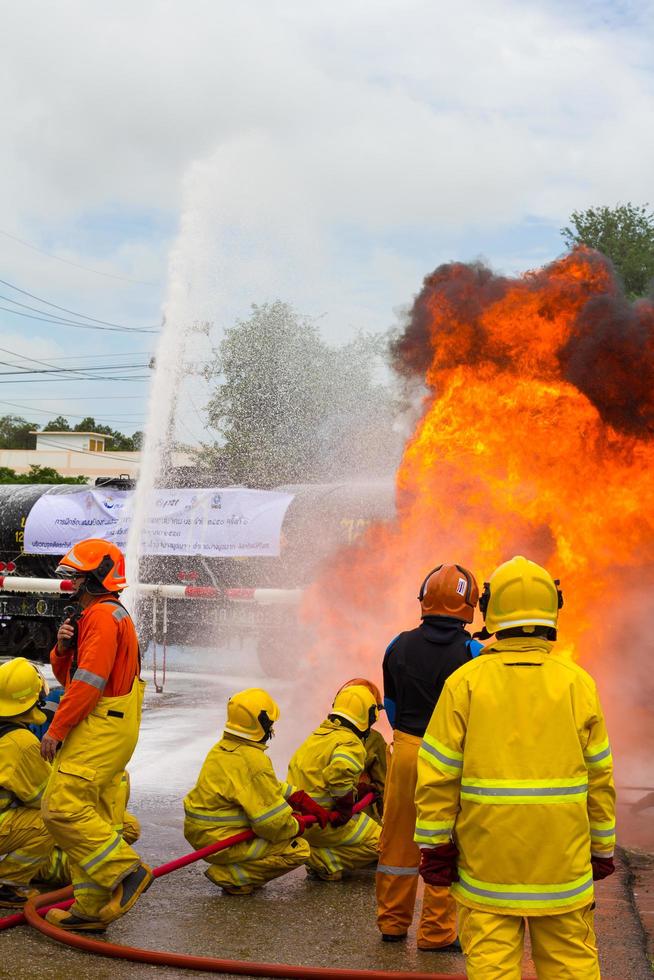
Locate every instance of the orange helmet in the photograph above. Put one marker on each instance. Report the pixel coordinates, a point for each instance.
(100, 561)
(449, 590)
(362, 682)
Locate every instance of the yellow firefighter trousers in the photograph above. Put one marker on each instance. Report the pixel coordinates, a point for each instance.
(563, 946)
(336, 849)
(25, 845)
(253, 862)
(399, 857)
(79, 800)
(56, 870)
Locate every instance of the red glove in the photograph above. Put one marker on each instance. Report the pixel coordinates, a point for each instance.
(365, 787)
(342, 812)
(438, 865)
(302, 823)
(602, 867)
(304, 804)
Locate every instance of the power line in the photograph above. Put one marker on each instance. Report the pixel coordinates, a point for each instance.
(89, 452)
(27, 381)
(108, 275)
(70, 370)
(85, 398)
(60, 322)
(49, 365)
(55, 319)
(120, 420)
(118, 353)
(64, 309)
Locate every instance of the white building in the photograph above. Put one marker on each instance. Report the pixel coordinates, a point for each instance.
(88, 442)
(79, 454)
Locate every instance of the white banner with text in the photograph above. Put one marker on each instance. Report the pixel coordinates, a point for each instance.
(214, 523)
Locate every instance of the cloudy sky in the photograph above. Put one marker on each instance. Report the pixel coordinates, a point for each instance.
(328, 154)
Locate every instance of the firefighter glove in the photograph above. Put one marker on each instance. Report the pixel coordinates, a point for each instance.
(302, 823)
(342, 812)
(602, 867)
(438, 865)
(307, 806)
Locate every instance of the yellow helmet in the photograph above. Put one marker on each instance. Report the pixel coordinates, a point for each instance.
(21, 686)
(358, 705)
(251, 715)
(520, 593)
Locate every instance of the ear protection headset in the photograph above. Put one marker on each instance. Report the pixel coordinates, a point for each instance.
(464, 573)
(484, 598)
(98, 574)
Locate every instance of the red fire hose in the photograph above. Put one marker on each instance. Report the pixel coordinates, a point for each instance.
(36, 907)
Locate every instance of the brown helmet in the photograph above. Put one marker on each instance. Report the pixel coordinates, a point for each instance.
(449, 590)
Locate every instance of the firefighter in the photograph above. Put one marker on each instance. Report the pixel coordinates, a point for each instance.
(238, 790)
(329, 766)
(515, 798)
(91, 739)
(416, 665)
(25, 844)
(373, 778)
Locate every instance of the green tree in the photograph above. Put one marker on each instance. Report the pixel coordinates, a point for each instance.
(38, 474)
(290, 408)
(47, 474)
(60, 424)
(117, 442)
(625, 234)
(15, 433)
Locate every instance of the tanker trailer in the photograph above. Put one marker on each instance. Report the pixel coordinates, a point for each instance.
(254, 597)
(260, 594)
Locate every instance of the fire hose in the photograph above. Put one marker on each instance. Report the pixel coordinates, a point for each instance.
(37, 907)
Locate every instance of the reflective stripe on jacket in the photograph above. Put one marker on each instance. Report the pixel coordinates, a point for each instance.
(327, 766)
(237, 789)
(107, 663)
(329, 763)
(516, 764)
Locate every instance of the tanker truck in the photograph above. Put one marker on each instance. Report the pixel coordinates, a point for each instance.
(194, 601)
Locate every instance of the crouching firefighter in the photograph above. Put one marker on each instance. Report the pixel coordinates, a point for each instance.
(373, 777)
(515, 778)
(237, 790)
(25, 844)
(329, 766)
(91, 739)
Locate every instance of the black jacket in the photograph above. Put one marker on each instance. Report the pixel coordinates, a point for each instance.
(417, 664)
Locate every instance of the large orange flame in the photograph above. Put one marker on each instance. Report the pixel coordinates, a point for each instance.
(536, 438)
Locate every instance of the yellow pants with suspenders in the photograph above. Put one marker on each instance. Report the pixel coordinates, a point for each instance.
(79, 800)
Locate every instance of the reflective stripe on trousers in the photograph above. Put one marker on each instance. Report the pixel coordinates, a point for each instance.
(399, 857)
(79, 803)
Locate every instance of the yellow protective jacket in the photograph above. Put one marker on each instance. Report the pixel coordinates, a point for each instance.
(23, 773)
(516, 766)
(237, 790)
(376, 764)
(328, 765)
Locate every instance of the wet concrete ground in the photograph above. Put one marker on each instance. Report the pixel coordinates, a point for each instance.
(291, 920)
